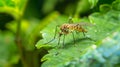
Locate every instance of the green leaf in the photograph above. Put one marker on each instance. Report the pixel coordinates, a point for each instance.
(109, 22)
(13, 7)
(116, 5)
(105, 8)
(107, 55)
(51, 30)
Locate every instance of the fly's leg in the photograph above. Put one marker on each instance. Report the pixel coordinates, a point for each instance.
(73, 38)
(84, 31)
(59, 41)
(63, 39)
(54, 35)
(84, 34)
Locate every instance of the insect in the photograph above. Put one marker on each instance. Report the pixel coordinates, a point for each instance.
(70, 27)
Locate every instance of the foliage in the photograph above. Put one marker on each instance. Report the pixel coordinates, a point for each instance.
(106, 55)
(29, 24)
(85, 53)
(8, 51)
(13, 7)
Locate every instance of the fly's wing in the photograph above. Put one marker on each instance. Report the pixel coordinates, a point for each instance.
(84, 24)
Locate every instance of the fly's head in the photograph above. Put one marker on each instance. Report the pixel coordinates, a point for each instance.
(64, 29)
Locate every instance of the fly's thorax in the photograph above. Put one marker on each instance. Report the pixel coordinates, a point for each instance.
(64, 26)
(64, 30)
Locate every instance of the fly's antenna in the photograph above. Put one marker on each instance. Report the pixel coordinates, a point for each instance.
(60, 34)
(54, 35)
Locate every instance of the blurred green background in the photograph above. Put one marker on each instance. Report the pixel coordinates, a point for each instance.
(25, 25)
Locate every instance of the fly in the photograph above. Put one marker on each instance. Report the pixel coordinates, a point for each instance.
(70, 27)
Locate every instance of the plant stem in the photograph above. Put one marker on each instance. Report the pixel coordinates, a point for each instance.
(19, 43)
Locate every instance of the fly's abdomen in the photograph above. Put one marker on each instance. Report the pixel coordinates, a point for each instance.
(80, 29)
